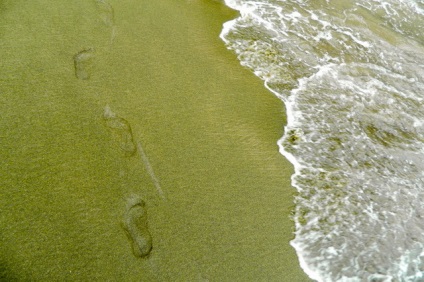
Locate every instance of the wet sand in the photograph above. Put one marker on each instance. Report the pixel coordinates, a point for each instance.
(106, 101)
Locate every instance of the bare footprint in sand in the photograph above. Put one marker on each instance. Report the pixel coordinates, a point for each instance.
(106, 12)
(135, 226)
(107, 15)
(82, 63)
(122, 130)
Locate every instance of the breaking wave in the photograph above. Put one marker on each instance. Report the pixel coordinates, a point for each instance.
(352, 78)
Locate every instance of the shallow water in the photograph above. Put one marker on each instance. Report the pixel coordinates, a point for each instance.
(351, 76)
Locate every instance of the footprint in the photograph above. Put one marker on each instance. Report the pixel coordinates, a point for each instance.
(135, 226)
(106, 12)
(122, 131)
(82, 63)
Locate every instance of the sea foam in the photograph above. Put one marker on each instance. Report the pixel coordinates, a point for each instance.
(350, 76)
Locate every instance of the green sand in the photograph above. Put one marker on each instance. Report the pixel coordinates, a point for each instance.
(217, 191)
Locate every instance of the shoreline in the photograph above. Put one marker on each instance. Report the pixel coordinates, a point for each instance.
(208, 127)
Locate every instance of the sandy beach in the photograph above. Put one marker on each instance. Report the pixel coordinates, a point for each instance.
(106, 101)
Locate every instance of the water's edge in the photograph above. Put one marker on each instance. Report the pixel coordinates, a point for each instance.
(349, 76)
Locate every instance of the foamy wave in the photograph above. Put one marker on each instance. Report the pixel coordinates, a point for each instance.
(359, 173)
(348, 74)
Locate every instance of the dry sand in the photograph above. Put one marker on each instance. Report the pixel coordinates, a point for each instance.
(104, 102)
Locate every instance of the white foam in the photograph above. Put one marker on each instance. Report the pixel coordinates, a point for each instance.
(354, 131)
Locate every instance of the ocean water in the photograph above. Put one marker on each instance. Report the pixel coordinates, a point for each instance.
(351, 75)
